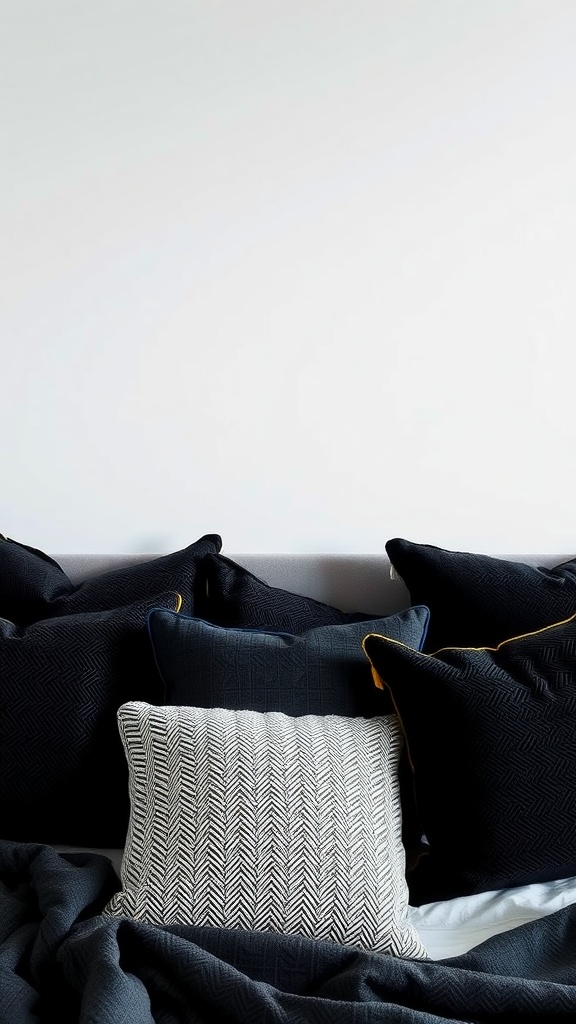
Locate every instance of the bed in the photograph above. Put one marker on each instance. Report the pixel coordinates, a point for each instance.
(160, 712)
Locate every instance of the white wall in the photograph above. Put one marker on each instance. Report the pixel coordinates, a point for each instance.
(301, 272)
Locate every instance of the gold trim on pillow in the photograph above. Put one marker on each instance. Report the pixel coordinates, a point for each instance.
(509, 640)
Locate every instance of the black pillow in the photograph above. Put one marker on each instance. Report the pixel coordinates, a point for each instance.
(33, 586)
(320, 672)
(477, 600)
(63, 774)
(490, 734)
(229, 595)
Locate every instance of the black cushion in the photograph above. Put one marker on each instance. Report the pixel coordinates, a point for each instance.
(229, 595)
(33, 586)
(320, 672)
(477, 600)
(63, 774)
(490, 734)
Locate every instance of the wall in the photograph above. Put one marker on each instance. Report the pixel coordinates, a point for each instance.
(301, 272)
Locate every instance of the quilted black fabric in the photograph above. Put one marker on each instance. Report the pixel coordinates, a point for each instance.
(229, 595)
(478, 601)
(61, 962)
(491, 737)
(63, 774)
(33, 586)
(321, 672)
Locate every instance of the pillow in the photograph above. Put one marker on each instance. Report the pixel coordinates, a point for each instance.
(63, 774)
(321, 672)
(229, 595)
(265, 822)
(33, 586)
(478, 601)
(490, 734)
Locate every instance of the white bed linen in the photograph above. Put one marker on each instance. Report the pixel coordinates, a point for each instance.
(455, 926)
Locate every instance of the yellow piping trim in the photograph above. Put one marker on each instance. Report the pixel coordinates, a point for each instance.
(376, 678)
(389, 639)
(381, 685)
(179, 602)
(509, 640)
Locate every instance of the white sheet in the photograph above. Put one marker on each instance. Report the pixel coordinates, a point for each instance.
(455, 926)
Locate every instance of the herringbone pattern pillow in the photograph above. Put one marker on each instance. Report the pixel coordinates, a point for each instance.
(227, 594)
(33, 586)
(63, 774)
(491, 734)
(478, 600)
(265, 822)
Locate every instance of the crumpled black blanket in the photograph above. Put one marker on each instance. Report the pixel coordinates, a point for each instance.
(61, 963)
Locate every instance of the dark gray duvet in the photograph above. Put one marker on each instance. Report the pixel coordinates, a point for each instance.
(60, 962)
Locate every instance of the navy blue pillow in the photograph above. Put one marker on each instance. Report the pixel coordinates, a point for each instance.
(63, 773)
(490, 734)
(33, 586)
(478, 600)
(229, 595)
(320, 672)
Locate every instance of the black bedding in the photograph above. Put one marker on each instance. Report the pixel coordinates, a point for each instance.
(61, 962)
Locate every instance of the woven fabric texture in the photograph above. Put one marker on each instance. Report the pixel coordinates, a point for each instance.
(477, 600)
(230, 595)
(63, 774)
(490, 734)
(33, 586)
(266, 822)
(320, 672)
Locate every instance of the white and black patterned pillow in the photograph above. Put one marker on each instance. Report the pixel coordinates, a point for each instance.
(260, 821)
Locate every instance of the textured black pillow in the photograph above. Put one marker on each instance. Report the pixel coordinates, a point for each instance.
(320, 672)
(491, 736)
(33, 586)
(228, 595)
(477, 600)
(63, 774)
